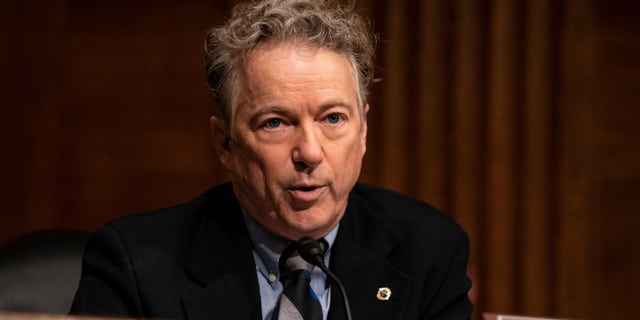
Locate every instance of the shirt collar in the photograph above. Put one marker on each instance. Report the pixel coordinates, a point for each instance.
(269, 245)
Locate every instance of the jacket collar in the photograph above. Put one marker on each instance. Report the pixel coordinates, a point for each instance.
(365, 240)
(221, 261)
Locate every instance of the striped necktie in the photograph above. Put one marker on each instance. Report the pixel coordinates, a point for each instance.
(298, 301)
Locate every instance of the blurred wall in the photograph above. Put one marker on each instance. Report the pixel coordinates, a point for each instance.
(518, 118)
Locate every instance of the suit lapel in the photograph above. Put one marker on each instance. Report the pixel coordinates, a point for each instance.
(230, 290)
(359, 259)
(222, 262)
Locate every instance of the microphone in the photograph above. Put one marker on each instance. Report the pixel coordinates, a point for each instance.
(312, 251)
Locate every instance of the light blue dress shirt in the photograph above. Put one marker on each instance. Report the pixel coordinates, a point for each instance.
(267, 248)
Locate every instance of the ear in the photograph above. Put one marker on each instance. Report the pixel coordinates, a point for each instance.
(363, 130)
(221, 139)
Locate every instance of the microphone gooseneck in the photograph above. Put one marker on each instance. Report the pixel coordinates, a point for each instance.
(312, 251)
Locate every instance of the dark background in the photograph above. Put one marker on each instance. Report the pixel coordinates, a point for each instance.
(518, 118)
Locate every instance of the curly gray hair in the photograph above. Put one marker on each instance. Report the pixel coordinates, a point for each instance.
(331, 24)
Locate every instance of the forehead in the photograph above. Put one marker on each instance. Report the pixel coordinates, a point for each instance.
(294, 66)
(292, 58)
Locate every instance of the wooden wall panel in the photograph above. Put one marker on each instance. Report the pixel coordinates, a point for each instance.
(577, 87)
(601, 170)
(390, 117)
(105, 110)
(468, 133)
(503, 124)
(30, 77)
(431, 100)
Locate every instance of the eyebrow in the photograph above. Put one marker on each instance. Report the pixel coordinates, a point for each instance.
(253, 119)
(333, 104)
(282, 111)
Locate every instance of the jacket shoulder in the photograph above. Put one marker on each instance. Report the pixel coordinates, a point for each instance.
(404, 212)
(171, 226)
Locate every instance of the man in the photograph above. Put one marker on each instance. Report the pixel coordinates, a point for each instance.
(290, 82)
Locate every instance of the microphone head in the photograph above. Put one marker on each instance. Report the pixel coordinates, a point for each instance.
(311, 250)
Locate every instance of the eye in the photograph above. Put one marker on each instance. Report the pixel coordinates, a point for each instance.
(334, 118)
(272, 123)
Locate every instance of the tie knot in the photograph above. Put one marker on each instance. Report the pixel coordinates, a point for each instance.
(291, 261)
(295, 263)
(298, 300)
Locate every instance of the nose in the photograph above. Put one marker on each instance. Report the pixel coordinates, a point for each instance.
(307, 152)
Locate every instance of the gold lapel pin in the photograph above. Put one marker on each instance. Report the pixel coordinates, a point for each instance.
(384, 294)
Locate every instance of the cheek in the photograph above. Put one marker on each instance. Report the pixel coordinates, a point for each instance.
(260, 162)
(357, 147)
(348, 163)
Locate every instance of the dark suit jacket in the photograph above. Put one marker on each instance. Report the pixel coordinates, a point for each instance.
(194, 261)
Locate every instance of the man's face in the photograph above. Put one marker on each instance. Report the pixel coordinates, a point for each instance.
(298, 139)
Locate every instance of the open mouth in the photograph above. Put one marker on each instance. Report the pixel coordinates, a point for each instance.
(306, 189)
(306, 193)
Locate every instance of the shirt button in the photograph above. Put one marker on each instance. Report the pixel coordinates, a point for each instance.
(272, 278)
